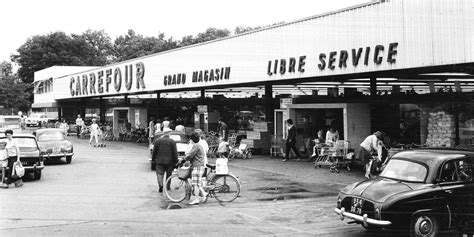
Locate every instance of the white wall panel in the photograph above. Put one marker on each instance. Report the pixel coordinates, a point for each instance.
(428, 33)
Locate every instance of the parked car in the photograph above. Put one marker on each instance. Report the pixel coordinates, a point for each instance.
(9, 122)
(31, 156)
(182, 144)
(36, 120)
(424, 191)
(55, 141)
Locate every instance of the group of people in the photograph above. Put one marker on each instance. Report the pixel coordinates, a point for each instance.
(331, 137)
(9, 155)
(370, 152)
(165, 155)
(156, 126)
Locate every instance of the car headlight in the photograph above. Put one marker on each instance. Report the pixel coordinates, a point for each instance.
(377, 213)
(339, 201)
(66, 148)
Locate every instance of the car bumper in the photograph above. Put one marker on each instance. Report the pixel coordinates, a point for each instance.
(57, 156)
(363, 219)
(34, 167)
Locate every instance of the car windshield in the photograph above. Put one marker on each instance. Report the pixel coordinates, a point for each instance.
(51, 136)
(24, 142)
(405, 170)
(177, 138)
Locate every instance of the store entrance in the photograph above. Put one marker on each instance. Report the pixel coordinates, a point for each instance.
(320, 119)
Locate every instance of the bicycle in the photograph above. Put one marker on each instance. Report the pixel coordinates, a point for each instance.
(223, 187)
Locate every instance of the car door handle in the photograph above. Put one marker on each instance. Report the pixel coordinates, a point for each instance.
(449, 191)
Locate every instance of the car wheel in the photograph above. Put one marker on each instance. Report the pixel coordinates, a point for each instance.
(37, 175)
(68, 159)
(425, 225)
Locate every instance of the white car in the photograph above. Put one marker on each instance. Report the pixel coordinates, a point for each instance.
(36, 119)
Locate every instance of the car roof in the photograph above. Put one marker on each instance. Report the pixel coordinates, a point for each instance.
(49, 129)
(435, 156)
(2, 135)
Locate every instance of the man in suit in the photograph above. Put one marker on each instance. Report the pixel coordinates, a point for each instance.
(165, 155)
(291, 141)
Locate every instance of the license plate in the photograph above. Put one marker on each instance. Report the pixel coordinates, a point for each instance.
(356, 206)
(56, 150)
(24, 163)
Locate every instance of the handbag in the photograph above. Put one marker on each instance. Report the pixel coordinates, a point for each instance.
(185, 171)
(18, 170)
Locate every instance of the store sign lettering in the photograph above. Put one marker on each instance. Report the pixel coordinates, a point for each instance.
(341, 59)
(109, 80)
(211, 75)
(336, 59)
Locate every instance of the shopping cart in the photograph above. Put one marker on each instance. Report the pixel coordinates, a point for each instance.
(334, 157)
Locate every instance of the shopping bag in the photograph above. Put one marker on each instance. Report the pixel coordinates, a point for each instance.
(221, 166)
(18, 170)
(184, 171)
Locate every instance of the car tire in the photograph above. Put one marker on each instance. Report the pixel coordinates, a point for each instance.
(68, 159)
(37, 175)
(424, 225)
(152, 166)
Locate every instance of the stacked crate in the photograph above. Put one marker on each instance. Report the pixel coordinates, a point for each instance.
(441, 130)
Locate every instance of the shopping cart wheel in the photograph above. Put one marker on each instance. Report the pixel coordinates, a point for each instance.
(348, 168)
(336, 169)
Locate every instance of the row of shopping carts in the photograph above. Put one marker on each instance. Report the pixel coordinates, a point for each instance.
(334, 156)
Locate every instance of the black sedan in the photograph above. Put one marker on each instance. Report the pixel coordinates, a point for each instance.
(425, 191)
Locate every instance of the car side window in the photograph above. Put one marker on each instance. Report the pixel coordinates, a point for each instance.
(457, 171)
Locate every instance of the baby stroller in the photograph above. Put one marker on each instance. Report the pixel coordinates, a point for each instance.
(240, 152)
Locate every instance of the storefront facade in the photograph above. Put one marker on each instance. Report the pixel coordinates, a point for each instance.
(382, 49)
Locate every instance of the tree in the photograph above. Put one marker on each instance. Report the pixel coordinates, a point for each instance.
(132, 45)
(243, 29)
(12, 91)
(208, 35)
(101, 50)
(58, 49)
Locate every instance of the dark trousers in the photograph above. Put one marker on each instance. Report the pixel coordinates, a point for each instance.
(11, 160)
(291, 145)
(78, 131)
(161, 169)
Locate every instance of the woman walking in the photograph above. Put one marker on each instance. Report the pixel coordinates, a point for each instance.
(13, 153)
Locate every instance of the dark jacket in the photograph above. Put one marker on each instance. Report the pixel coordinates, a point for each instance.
(291, 134)
(165, 151)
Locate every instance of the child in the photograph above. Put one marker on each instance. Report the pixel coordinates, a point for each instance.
(3, 159)
(223, 149)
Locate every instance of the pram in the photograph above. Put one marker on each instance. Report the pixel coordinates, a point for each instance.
(334, 156)
(242, 152)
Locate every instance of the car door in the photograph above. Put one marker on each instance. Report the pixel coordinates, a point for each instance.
(456, 182)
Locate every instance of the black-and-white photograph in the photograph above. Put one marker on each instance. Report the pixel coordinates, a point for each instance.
(348, 118)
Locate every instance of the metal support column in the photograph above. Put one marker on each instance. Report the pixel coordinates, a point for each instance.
(373, 86)
(101, 110)
(269, 110)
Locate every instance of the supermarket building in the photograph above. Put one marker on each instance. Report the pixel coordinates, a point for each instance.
(402, 66)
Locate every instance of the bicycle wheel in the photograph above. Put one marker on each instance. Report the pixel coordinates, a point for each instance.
(226, 188)
(177, 188)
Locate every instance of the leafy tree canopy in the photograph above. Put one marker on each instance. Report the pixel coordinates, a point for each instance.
(12, 91)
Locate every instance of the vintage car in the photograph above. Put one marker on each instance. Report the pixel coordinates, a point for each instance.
(31, 156)
(39, 120)
(423, 191)
(182, 144)
(9, 122)
(54, 140)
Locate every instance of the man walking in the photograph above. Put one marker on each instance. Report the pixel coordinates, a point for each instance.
(165, 156)
(291, 141)
(79, 124)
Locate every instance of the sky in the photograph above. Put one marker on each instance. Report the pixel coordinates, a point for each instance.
(22, 19)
